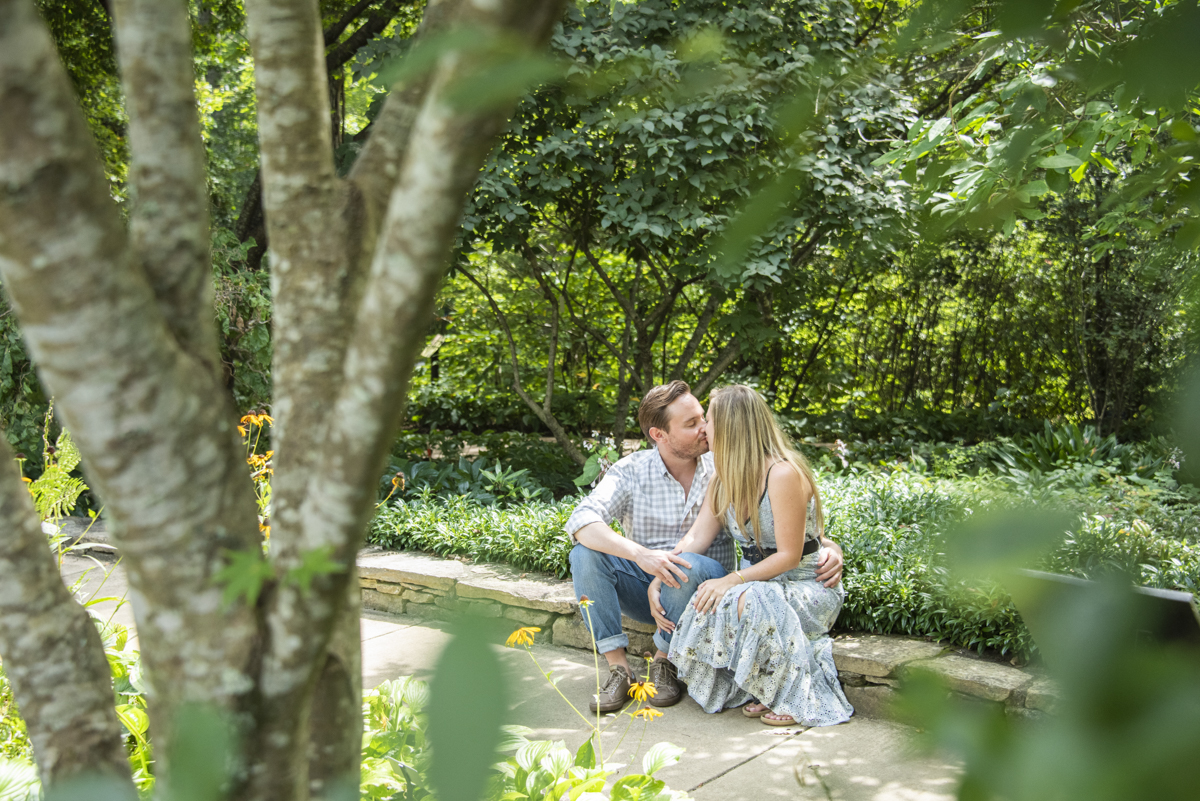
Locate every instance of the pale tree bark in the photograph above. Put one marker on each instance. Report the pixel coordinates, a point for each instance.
(120, 324)
(168, 222)
(154, 426)
(52, 651)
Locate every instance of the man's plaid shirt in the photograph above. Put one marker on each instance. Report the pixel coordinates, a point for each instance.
(640, 492)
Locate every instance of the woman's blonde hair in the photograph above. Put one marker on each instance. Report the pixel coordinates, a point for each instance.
(746, 442)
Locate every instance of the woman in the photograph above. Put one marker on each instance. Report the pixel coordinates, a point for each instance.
(760, 634)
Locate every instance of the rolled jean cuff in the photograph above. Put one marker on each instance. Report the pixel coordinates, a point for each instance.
(612, 643)
(662, 643)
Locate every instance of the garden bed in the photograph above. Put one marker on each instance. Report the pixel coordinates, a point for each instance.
(892, 524)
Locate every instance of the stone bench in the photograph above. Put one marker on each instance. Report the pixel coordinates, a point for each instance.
(870, 666)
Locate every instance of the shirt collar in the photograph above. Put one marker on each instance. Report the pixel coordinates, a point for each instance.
(659, 467)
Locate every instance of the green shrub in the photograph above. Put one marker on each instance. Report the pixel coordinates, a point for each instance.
(530, 536)
(473, 479)
(545, 463)
(890, 524)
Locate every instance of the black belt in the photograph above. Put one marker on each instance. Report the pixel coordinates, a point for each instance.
(755, 554)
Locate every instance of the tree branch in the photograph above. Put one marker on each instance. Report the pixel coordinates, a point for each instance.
(603, 340)
(375, 24)
(447, 146)
(52, 652)
(940, 103)
(542, 411)
(335, 31)
(689, 351)
(168, 223)
(724, 359)
(620, 297)
(378, 165)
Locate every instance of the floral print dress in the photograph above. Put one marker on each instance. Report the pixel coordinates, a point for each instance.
(780, 651)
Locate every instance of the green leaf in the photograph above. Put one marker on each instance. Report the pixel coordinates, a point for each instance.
(659, 757)
(1035, 188)
(1188, 236)
(244, 576)
(201, 753)
(989, 544)
(502, 82)
(585, 757)
(316, 562)
(18, 781)
(467, 704)
(134, 719)
(591, 469)
(1060, 161)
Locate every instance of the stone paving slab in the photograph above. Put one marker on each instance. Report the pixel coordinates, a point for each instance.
(411, 568)
(856, 761)
(878, 654)
(1043, 694)
(727, 756)
(101, 579)
(511, 587)
(975, 676)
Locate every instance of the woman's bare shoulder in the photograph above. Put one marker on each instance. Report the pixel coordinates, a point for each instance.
(789, 481)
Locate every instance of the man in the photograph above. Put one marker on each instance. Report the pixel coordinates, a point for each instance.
(657, 495)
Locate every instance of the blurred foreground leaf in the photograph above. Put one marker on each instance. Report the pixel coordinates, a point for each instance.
(992, 543)
(201, 755)
(466, 710)
(92, 788)
(1186, 423)
(1127, 724)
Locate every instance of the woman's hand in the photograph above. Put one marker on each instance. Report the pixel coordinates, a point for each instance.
(710, 592)
(656, 608)
(829, 565)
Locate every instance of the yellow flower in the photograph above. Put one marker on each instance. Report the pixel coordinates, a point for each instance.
(247, 420)
(265, 418)
(647, 713)
(522, 636)
(584, 601)
(27, 480)
(642, 690)
(242, 430)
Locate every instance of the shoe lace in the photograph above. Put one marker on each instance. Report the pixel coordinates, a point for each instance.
(615, 679)
(662, 671)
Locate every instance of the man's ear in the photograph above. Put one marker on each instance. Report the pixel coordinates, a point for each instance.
(657, 435)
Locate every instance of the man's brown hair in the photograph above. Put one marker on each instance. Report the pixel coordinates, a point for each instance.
(652, 411)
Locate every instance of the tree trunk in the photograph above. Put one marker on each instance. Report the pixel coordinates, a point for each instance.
(52, 652)
(121, 325)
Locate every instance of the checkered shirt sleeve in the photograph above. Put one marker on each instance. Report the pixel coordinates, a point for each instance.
(650, 504)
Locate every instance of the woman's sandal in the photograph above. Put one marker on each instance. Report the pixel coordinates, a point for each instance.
(790, 721)
(755, 713)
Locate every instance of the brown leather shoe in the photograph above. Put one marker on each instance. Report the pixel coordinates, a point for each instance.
(614, 694)
(667, 689)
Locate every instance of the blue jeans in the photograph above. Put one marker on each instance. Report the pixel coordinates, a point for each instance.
(616, 585)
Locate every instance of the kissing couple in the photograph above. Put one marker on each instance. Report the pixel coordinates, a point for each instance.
(750, 632)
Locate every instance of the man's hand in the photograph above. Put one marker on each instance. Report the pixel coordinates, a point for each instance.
(829, 565)
(662, 564)
(656, 609)
(711, 591)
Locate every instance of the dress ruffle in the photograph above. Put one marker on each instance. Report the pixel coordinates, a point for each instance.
(780, 651)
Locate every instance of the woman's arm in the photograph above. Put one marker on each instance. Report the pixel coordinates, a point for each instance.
(789, 493)
(702, 533)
